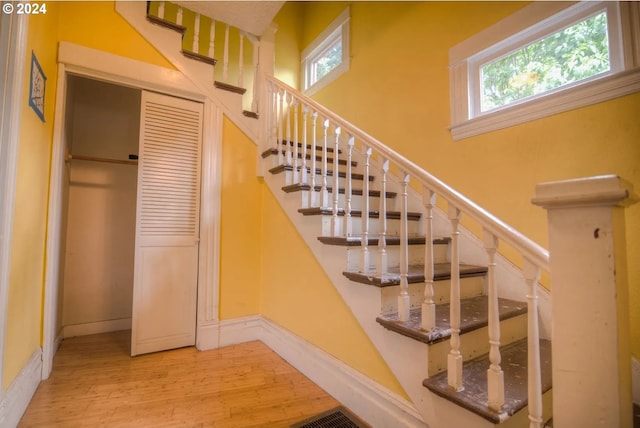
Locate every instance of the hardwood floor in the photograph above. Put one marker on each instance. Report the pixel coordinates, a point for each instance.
(95, 383)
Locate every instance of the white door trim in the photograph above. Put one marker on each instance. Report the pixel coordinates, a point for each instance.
(82, 61)
(13, 44)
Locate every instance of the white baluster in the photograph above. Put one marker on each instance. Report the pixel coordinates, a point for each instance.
(428, 319)
(495, 375)
(241, 62)
(364, 250)
(256, 80)
(289, 156)
(280, 119)
(532, 276)
(305, 174)
(273, 112)
(325, 142)
(179, 16)
(382, 235)
(161, 9)
(196, 34)
(212, 38)
(313, 194)
(403, 298)
(348, 220)
(454, 360)
(296, 150)
(335, 223)
(225, 59)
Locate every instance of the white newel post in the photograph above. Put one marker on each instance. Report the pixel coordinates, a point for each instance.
(591, 354)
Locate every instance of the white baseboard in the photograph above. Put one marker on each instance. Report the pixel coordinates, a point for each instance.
(15, 401)
(635, 380)
(372, 402)
(240, 330)
(96, 327)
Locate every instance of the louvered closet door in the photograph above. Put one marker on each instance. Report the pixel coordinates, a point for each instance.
(167, 224)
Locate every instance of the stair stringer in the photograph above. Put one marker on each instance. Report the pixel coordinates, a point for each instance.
(168, 43)
(406, 358)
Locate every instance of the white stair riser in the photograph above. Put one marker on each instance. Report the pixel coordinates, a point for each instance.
(393, 226)
(469, 287)
(291, 178)
(476, 343)
(356, 201)
(416, 256)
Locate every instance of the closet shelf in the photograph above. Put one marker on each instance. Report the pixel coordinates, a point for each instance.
(96, 159)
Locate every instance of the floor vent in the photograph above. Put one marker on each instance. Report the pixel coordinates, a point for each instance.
(339, 417)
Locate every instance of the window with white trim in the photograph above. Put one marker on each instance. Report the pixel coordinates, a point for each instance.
(544, 59)
(327, 56)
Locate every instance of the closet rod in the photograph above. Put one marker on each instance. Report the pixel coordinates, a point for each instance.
(94, 159)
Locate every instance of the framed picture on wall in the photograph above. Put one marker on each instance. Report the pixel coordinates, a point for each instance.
(37, 87)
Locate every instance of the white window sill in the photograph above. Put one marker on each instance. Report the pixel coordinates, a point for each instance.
(604, 89)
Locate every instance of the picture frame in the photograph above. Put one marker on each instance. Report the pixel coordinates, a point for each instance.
(37, 86)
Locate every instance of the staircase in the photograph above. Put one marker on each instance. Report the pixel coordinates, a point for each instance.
(455, 321)
(291, 169)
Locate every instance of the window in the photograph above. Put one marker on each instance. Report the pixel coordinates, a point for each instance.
(542, 60)
(327, 56)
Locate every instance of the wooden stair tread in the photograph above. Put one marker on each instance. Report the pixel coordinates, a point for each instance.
(251, 114)
(199, 57)
(291, 188)
(415, 274)
(473, 315)
(391, 215)
(342, 162)
(167, 24)
(229, 87)
(356, 241)
(281, 168)
(474, 380)
(274, 151)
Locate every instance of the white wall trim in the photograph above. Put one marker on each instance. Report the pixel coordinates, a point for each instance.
(371, 401)
(20, 392)
(240, 330)
(116, 69)
(635, 379)
(209, 249)
(13, 40)
(54, 228)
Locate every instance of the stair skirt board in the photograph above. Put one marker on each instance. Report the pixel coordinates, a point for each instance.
(340, 417)
(372, 402)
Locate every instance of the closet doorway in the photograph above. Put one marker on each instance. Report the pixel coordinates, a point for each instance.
(117, 234)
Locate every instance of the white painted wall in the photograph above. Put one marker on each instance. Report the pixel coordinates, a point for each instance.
(99, 256)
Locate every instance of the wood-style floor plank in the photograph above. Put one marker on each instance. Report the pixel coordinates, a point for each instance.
(96, 383)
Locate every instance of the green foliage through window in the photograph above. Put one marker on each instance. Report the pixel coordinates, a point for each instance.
(329, 60)
(573, 54)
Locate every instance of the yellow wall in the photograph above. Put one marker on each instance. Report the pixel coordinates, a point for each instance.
(297, 294)
(288, 42)
(96, 24)
(397, 89)
(240, 227)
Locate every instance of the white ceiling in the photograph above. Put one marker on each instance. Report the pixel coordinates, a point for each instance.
(250, 16)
